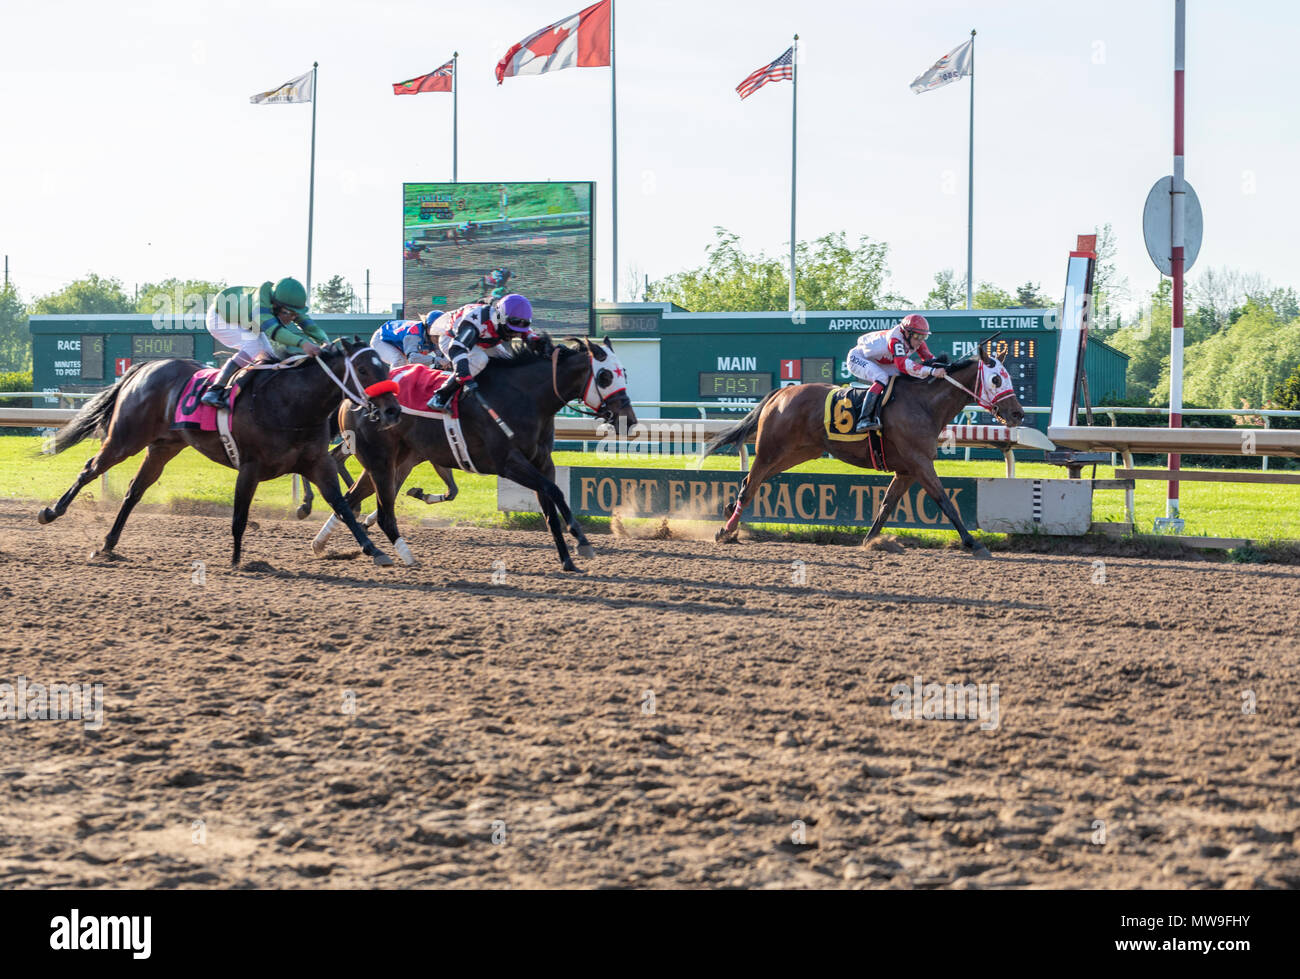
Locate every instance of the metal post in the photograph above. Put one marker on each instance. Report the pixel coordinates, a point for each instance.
(970, 187)
(311, 193)
(613, 103)
(6, 273)
(794, 160)
(455, 119)
(1177, 241)
(367, 292)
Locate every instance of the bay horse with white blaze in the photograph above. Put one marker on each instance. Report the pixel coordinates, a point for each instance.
(791, 429)
(280, 423)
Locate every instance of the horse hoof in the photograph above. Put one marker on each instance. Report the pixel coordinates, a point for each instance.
(586, 550)
(304, 512)
(981, 553)
(45, 516)
(383, 561)
(570, 566)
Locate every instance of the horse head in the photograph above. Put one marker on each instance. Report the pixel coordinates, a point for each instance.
(605, 389)
(994, 387)
(363, 376)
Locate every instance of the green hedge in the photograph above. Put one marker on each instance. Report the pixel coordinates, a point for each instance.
(15, 381)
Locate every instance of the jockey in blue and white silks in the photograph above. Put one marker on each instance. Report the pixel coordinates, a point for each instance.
(402, 342)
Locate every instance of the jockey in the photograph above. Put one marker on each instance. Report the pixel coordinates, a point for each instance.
(881, 355)
(474, 333)
(266, 319)
(402, 342)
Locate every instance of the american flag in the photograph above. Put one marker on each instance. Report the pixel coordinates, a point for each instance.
(782, 69)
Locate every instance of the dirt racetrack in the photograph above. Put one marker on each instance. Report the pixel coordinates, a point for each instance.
(1122, 754)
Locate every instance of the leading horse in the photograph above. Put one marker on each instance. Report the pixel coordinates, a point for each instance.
(791, 429)
(280, 423)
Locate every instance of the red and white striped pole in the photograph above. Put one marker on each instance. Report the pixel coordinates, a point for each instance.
(1177, 241)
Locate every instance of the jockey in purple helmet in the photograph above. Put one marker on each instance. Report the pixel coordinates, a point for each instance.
(471, 335)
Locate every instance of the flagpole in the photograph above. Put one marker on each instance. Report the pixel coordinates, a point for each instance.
(613, 101)
(311, 193)
(455, 119)
(794, 159)
(970, 185)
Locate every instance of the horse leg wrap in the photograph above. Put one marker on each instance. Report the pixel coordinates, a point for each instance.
(372, 519)
(404, 552)
(735, 517)
(322, 539)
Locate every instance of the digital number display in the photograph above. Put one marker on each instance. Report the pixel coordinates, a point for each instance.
(730, 384)
(154, 346)
(92, 358)
(818, 370)
(1020, 358)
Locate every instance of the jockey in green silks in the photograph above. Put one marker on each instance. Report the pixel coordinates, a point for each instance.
(254, 320)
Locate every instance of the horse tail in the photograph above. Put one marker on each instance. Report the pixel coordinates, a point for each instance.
(93, 418)
(741, 432)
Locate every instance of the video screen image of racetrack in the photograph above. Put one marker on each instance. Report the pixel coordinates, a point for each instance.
(462, 242)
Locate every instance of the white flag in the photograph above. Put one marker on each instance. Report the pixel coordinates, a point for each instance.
(295, 90)
(949, 68)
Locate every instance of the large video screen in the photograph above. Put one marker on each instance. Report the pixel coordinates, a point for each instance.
(462, 242)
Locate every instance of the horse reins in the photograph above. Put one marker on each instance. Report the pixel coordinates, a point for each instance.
(555, 385)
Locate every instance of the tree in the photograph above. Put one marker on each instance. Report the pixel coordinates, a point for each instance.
(1286, 396)
(1030, 296)
(335, 296)
(1243, 364)
(947, 293)
(89, 295)
(177, 296)
(1147, 344)
(15, 339)
(989, 296)
(831, 275)
(1109, 288)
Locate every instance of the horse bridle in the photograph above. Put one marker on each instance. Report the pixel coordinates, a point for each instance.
(362, 400)
(603, 411)
(988, 406)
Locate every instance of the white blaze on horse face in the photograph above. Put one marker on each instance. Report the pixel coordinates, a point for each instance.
(597, 393)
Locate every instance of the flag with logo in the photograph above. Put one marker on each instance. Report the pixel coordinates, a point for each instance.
(438, 80)
(295, 90)
(947, 69)
(580, 41)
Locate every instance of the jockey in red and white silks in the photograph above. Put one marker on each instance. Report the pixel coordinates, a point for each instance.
(885, 354)
(470, 335)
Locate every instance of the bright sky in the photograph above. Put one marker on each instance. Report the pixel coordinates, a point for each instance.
(131, 148)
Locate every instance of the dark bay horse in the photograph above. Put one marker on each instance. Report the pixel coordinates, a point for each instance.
(525, 391)
(280, 423)
(791, 429)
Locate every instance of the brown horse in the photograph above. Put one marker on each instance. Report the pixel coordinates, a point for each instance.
(281, 425)
(791, 429)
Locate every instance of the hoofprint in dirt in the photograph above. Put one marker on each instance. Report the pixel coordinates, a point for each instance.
(681, 715)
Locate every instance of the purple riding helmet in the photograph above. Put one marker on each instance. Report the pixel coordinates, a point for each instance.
(514, 312)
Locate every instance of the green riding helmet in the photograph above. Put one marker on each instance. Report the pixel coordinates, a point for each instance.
(290, 294)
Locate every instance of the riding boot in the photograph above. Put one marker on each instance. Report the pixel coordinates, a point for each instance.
(442, 397)
(218, 395)
(868, 420)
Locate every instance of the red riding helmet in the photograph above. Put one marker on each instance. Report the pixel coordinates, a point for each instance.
(915, 323)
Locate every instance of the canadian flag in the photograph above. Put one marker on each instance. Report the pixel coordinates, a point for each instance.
(580, 41)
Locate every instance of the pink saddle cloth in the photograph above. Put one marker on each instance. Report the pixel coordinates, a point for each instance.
(191, 414)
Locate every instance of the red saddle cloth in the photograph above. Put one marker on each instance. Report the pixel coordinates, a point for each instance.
(417, 383)
(191, 414)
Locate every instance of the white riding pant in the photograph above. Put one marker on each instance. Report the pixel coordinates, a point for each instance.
(478, 357)
(865, 369)
(389, 353)
(248, 344)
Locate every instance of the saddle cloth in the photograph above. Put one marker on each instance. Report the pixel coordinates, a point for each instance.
(844, 408)
(416, 384)
(192, 415)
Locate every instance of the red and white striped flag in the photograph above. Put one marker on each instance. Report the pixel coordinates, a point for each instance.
(581, 41)
(782, 69)
(438, 80)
